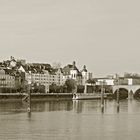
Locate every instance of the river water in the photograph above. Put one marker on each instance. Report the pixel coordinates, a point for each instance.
(70, 120)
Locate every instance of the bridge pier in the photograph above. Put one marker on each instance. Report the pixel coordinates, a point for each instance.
(85, 90)
(130, 94)
(132, 89)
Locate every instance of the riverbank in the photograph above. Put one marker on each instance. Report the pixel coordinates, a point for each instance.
(35, 96)
(39, 96)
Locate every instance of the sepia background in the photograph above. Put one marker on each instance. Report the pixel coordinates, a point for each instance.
(103, 34)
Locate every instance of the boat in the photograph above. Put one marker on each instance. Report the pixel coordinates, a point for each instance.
(87, 96)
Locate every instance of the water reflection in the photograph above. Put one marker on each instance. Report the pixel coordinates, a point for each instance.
(15, 107)
(110, 106)
(29, 115)
(36, 106)
(78, 106)
(76, 120)
(81, 106)
(58, 105)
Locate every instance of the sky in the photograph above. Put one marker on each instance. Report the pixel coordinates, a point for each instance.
(104, 35)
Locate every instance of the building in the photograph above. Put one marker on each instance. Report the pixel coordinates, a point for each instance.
(6, 80)
(72, 72)
(85, 75)
(42, 74)
(105, 81)
(128, 81)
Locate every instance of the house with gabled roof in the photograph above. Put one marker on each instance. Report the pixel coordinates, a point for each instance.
(42, 74)
(72, 72)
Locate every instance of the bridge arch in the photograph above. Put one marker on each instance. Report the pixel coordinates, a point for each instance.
(123, 93)
(132, 90)
(137, 94)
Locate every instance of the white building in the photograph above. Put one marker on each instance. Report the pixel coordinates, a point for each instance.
(105, 81)
(72, 72)
(44, 77)
(6, 80)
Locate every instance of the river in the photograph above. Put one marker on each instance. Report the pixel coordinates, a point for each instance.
(70, 120)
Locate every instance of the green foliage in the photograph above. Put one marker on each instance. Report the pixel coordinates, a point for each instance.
(70, 85)
(131, 75)
(91, 81)
(35, 88)
(53, 88)
(7, 90)
(108, 89)
(80, 89)
(42, 89)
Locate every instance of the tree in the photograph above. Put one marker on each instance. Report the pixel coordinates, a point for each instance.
(91, 81)
(80, 89)
(37, 88)
(70, 85)
(131, 75)
(41, 88)
(53, 88)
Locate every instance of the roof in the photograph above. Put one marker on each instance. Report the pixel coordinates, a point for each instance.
(84, 69)
(79, 74)
(66, 70)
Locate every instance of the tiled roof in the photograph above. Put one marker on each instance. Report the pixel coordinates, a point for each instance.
(66, 70)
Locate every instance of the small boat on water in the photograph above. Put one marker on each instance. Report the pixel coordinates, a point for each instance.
(87, 96)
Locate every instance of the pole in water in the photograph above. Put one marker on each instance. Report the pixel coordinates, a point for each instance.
(118, 98)
(118, 109)
(102, 109)
(28, 109)
(102, 99)
(102, 96)
(29, 100)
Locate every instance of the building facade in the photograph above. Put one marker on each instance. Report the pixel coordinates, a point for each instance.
(105, 81)
(6, 80)
(42, 76)
(72, 72)
(18, 74)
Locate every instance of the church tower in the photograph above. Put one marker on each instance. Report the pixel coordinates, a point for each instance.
(84, 75)
(74, 71)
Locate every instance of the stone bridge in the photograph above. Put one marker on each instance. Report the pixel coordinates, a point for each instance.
(131, 89)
